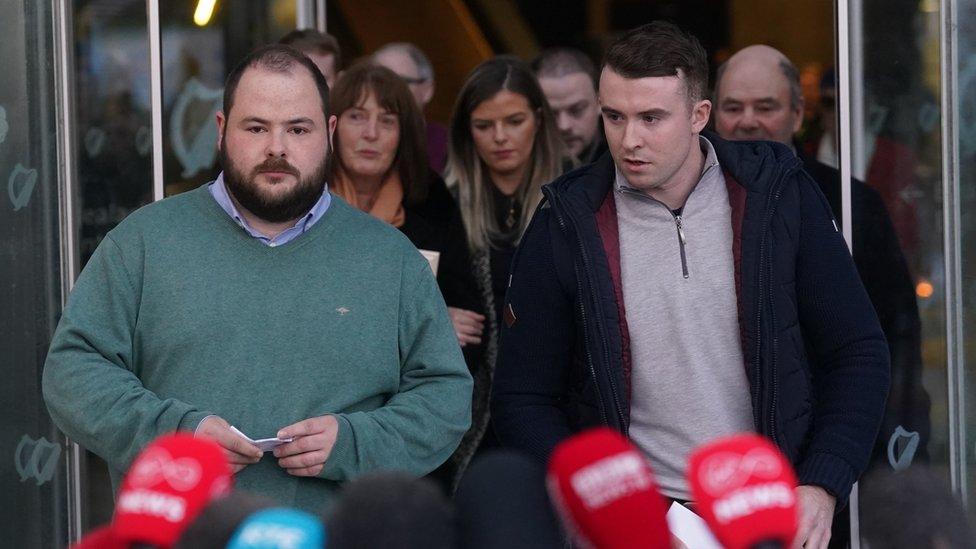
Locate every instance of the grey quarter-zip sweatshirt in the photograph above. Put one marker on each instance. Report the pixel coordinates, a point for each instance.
(688, 381)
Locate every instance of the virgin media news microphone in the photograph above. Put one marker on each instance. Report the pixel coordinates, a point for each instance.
(746, 492)
(166, 487)
(604, 490)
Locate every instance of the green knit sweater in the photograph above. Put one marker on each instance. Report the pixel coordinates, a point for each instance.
(179, 314)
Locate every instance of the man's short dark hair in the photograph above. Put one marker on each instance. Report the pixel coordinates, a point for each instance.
(275, 58)
(660, 49)
(314, 41)
(559, 62)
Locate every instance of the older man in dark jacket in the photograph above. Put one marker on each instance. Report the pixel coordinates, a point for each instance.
(686, 288)
(758, 96)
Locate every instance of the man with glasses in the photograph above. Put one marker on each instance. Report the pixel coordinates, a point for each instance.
(414, 67)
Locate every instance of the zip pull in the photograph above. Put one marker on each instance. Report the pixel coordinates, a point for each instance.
(681, 244)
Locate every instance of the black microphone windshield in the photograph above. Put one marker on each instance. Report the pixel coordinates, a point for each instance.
(215, 525)
(390, 510)
(502, 503)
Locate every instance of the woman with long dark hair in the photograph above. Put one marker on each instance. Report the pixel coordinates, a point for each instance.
(503, 147)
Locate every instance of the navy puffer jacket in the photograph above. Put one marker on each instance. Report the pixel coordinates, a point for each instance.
(816, 357)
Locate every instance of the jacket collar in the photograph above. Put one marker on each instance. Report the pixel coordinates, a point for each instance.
(753, 164)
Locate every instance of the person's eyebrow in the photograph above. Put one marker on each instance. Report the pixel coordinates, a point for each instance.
(300, 120)
(293, 121)
(660, 113)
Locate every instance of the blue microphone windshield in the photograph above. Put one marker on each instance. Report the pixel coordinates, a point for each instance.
(279, 528)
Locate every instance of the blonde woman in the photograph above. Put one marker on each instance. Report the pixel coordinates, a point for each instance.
(503, 147)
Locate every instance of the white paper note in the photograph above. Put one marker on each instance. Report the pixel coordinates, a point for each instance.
(434, 258)
(265, 444)
(690, 528)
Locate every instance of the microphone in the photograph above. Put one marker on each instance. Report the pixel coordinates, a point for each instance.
(279, 528)
(605, 492)
(167, 486)
(390, 509)
(746, 492)
(218, 521)
(100, 538)
(502, 504)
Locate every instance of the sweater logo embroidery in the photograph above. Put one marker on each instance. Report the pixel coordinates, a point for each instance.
(342, 311)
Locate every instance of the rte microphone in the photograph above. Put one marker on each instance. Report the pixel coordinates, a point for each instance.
(746, 492)
(604, 490)
(166, 487)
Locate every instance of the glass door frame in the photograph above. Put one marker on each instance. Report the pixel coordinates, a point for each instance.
(853, 162)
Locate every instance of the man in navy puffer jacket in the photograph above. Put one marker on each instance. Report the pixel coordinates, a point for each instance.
(684, 288)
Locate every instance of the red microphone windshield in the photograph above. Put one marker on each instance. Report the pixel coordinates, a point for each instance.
(167, 486)
(604, 491)
(745, 490)
(100, 538)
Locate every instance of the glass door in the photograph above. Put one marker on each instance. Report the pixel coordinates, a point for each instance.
(34, 481)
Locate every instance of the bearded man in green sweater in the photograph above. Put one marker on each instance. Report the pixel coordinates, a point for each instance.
(263, 302)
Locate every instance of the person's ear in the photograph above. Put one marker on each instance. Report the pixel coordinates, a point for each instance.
(800, 107)
(699, 115)
(427, 92)
(221, 122)
(333, 122)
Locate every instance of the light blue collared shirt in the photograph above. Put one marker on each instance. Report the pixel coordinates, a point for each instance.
(218, 189)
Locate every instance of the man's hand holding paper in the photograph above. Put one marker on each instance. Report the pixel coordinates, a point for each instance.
(314, 439)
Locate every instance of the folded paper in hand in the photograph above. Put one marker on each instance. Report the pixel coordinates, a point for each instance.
(265, 444)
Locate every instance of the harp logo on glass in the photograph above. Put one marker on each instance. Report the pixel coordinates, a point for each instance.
(194, 133)
(20, 186)
(4, 126)
(143, 141)
(908, 448)
(36, 459)
(94, 141)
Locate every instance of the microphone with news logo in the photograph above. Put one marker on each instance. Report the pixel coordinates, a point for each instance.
(746, 492)
(604, 490)
(166, 487)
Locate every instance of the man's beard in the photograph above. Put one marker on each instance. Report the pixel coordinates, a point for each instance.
(273, 209)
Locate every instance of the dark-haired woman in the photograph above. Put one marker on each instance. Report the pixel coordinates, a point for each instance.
(503, 147)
